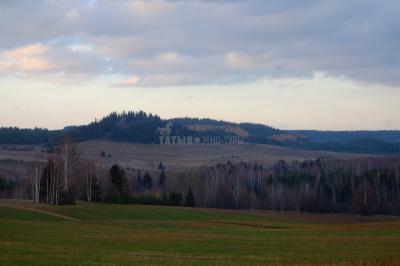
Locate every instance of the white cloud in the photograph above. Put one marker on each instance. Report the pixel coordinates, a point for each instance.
(59, 62)
(31, 58)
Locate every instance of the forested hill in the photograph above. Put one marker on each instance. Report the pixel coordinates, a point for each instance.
(141, 127)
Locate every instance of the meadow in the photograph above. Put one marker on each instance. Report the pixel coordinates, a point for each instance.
(175, 157)
(96, 233)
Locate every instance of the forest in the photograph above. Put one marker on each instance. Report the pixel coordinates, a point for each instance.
(363, 185)
(141, 127)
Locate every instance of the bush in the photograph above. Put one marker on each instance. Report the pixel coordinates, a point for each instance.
(175, 199)
(66, 198)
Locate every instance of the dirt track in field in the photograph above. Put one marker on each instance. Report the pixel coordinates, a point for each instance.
(41, 211)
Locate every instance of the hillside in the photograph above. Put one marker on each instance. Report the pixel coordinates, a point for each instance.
(146, 156)
(144, 128)
(140, 127)
(181, 156)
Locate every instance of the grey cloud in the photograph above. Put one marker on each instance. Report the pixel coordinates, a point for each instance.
(214, 41)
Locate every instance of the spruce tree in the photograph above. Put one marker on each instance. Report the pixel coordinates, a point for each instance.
(117, 175)
(147, 181)
(162, 178)
(189, 201)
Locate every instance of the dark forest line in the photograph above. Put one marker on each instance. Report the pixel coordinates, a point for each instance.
(364, 185)
(141, 127)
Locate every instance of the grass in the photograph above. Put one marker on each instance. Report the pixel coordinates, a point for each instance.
(133, 234)
(176, 157)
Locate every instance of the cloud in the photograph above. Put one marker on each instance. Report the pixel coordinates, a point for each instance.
(238, 60)
(176, 43)
(27, 59)
(128, 82)
(27, 51)
(72, 16)
(244, 61)
(59, 62)
(171, 58)
(149, 10)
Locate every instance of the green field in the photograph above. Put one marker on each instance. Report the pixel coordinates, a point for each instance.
(132, 234)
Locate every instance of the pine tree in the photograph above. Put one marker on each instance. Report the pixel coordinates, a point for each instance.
(139, 181)
(162, 178)
(189, 201)
(119, 180)
(147, 181)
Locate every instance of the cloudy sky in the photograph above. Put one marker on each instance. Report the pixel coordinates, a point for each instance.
(297, 64)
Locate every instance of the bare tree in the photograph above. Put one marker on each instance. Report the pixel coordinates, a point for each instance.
(35, 174)
(68, 158)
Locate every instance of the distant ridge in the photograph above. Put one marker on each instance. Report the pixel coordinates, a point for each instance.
(342, 136)
(141, 127)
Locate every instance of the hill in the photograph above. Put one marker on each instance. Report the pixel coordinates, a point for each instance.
(141, 127)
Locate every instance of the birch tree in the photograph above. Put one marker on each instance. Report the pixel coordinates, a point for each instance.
(35, 174)
(68, 158)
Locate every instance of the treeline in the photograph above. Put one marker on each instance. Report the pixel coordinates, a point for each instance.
(119, 190)
(7, 187)
(130, 187)
(257, 133)
(367, 186)
(65, 176)
(364, 185)
(131, 126)
(138, 127)
(390, 136)
(14, 135)
(141, 127)
(356, 145)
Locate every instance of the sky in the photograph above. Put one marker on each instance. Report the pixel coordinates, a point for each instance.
(301, 64)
